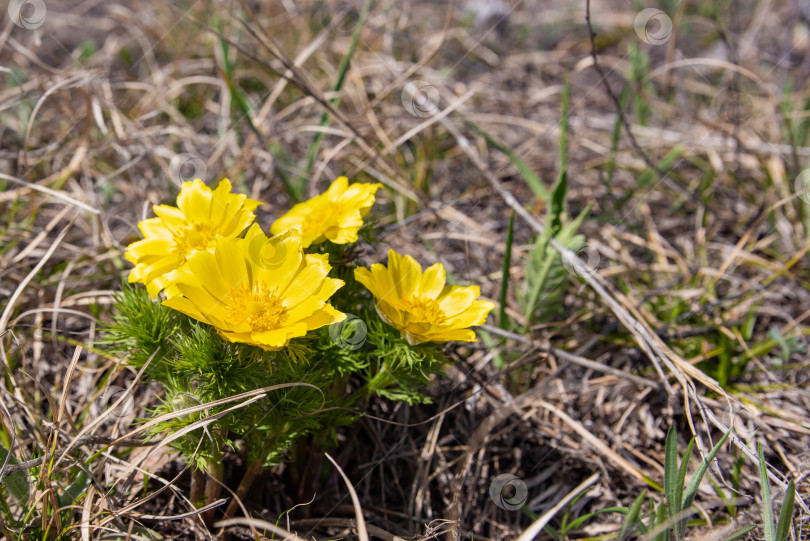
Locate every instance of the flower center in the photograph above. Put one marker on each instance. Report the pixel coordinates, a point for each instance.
(194, 237)
(423, 310)
(258, 306)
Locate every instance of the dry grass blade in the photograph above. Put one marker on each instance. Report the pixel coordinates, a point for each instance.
(6, 316)
(259, 524)
(86, 511)
(196, 512)
(594, 441)
(362, 532)
(538, 525)
(54, 193)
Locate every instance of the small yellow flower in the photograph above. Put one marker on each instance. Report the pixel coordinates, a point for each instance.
(257, 290)
(178, 232)
(419, 304)
(337, 214)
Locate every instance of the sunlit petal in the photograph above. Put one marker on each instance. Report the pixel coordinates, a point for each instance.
(419, 304)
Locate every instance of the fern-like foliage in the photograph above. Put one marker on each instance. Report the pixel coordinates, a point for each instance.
(546, 276)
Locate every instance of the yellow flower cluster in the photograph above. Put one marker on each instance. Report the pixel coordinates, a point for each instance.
(266, 291)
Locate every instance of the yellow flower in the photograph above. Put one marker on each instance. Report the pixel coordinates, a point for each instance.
(419, 304)
(178, 232)
(337, 214)
(257, 290)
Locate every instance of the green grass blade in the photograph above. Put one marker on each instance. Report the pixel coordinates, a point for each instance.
(671, 472)
(697, 477)
(610, 167)
(75, 489)
(507, 262)
(560, 189)
(557, 208)
(632, 516)
(239, 98)
(503, 321)
(526, 172)
(680, 526)
(561, 185)
(739, 533)
(786, 514)
(767, 511)
(660, 518)
(577, 522)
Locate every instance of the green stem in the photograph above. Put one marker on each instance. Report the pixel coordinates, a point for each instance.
(339, 387)
(380, 381)
(213, 484)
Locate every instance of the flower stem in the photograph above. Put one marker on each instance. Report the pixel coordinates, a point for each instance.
(380, 381)
(213, 484)
(197, 487)
(244, 485)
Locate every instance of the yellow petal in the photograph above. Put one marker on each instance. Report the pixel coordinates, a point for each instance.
(473, 316)
(303, 309)
(405, 272)
(458, 299)
(432, 282)
(148, 246)
(195, 200)
(230, 259)
(390, 315)
(325, 316)
(452, 335)
(154, 228)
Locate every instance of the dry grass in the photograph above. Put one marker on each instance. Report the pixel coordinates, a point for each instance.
(697, 259)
